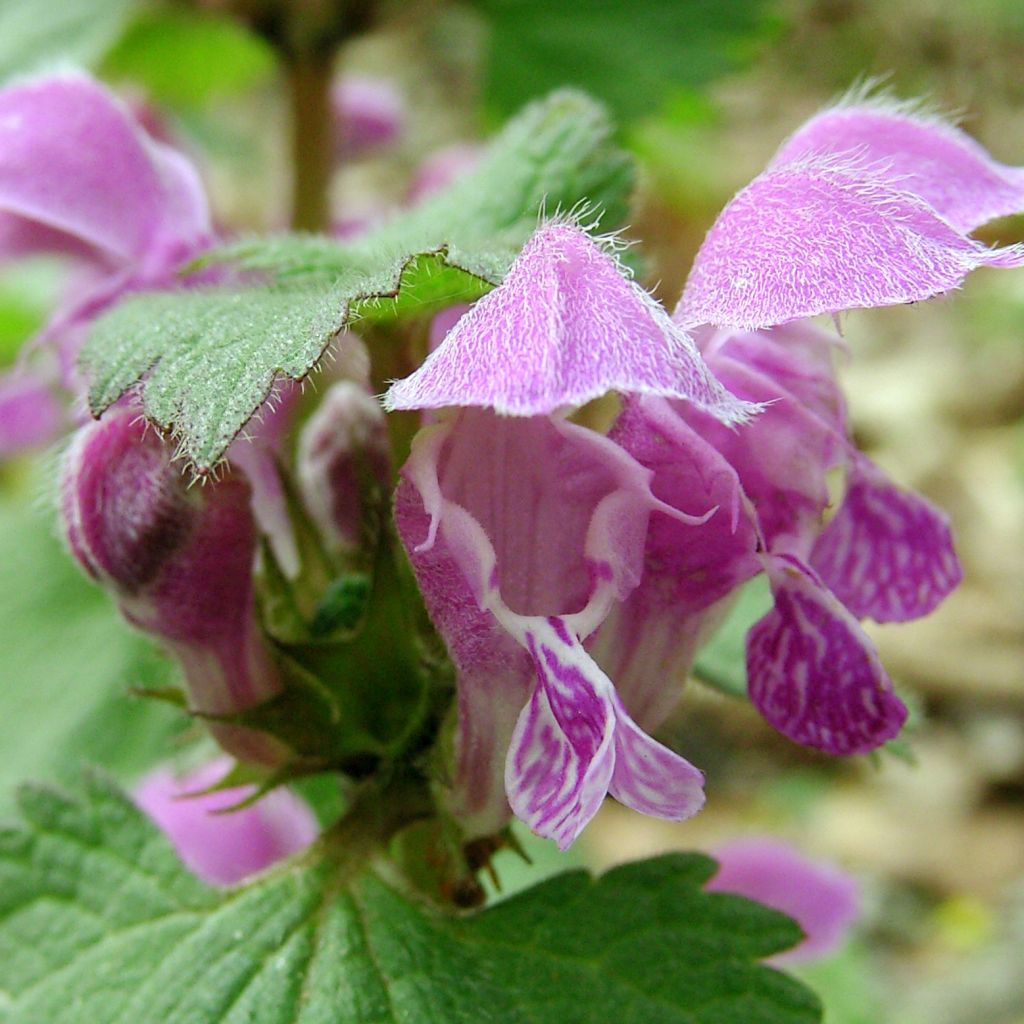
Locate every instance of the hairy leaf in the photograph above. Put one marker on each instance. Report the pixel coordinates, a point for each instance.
(207, 358)
(98, 922)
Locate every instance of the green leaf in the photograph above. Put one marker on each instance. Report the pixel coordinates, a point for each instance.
(631, 55)
(67, 662)
(209, 358)
(35, 36)
(98, 922)
(722, 662)
(184, 58)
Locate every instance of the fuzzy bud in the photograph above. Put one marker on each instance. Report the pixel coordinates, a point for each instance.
(178, 560)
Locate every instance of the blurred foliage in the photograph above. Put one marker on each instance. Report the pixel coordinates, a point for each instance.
(28, 291)
(68, 661)
(631, 55)
(722, 661)
(35, 35)
(185, 59)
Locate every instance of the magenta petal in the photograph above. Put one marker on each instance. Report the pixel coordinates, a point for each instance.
(915, 153)
(178, 560)
(72, 159)
(823, 900)
(812, 671)
(494, 672)
(782, 457)
(822, 236)
(564, 327)
(649, 639)
(517, 518)
(887, 554)
(649, 777)
(561, 757)
(30, 416)
(223, 848)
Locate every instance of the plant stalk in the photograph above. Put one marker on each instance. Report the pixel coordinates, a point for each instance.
(312, 144)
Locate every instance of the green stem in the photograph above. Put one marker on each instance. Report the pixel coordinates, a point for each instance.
(312, 145)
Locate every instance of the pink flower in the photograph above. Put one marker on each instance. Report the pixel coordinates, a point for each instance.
(823, 900)
(80, 178)
(216, 839)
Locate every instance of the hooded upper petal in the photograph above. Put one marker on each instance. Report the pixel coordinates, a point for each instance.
(564, 327)
(73, 161)
(824, 234)
(917, 153)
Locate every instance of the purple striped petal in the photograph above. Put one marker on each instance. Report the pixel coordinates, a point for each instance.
(820, 236)
(522, 534)
(566, 326)
(534, 517)
(823, 900)
(562, 755)
(915, 153)
(887, 554)
(813, 672)
(73, 160)
(649, 777)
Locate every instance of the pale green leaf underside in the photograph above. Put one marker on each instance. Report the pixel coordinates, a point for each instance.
(98, 923)
(207, 359)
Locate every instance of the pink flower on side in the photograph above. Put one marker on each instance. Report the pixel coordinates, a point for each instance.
(219, 845)
(574, 574)
(821, 898)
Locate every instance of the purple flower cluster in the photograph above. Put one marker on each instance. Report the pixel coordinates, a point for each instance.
(572, 573)
(555, 559)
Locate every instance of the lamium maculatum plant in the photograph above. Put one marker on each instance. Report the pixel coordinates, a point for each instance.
(462, 581)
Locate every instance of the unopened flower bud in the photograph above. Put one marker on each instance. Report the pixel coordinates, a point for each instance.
(179, 561)
(344, 462)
